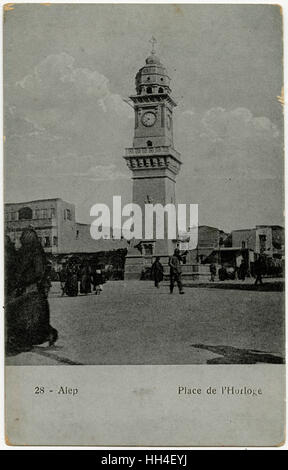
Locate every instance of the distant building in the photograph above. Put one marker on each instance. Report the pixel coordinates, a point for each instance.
(263, 239)
(216, 246)
(210, 239)
(246, 244)
(55, 224)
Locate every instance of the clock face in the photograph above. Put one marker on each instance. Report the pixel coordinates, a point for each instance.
(148, 119)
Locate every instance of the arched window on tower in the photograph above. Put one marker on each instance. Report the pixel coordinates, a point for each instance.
(149, 143)
(160, 90)
(149, 89)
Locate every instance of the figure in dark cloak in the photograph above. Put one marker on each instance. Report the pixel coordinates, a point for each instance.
(242, 272)
(259, 269)
(98, 280)
(222, 273)
(85, 282)
(27, 308)
(10, 268)
(213, 272)
(63, 278)
(71, 285)
(157, 272)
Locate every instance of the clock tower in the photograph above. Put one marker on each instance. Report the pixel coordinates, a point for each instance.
(152, 159)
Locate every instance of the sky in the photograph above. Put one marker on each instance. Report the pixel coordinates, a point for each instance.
(68, 69)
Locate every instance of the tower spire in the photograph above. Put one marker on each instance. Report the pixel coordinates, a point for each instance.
(153, 42)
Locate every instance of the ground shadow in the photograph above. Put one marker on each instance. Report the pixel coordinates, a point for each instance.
(231, 355)
(10, 352)
(48, 352)
(277, 286)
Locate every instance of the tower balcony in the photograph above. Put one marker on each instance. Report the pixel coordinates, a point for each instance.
(153, 158)
(153, 151)
(153, 97)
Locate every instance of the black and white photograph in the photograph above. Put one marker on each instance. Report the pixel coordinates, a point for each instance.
(144, 186)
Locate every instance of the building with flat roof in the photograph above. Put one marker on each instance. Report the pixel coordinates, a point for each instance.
(263, 239)
(210, 239)
(56, 226)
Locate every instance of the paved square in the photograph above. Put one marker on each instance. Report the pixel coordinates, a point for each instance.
(134, 323)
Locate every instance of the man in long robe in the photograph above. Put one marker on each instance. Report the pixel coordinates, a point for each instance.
(175, 271)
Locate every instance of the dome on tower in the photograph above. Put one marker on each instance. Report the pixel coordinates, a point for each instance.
(152, 78)
(153, 59)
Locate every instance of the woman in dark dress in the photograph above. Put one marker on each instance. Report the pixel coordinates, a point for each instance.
(157, 271)
(10, 268)
(27, 308)
(85, 284)
(242, 271)
(71, 285)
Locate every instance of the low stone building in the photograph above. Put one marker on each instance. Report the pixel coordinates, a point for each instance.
(263, 239)
(54, 221)
(210, 240)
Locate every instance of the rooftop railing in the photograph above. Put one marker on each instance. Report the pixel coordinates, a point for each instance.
(161, 150)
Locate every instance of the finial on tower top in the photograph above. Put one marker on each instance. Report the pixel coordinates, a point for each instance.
(153, 42)
(153, 59)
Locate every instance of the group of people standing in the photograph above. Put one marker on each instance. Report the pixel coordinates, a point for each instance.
(257, 271)
(157, 271)
(175, 261)
(27, 283)
(90, 278)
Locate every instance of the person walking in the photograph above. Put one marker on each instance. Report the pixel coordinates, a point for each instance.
(71, 284)
(63, 278)
(259, 268)
(98, 281)
(222, 273)
(157, 272)
(242, 271)
(213, 272)
(175, 271)
(85, 283)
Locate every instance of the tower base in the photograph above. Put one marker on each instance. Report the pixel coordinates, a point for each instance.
(137, 266)
(142, 254)
(134, 267)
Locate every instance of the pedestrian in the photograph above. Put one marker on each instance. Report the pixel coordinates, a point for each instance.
(212, 272)
(222, 273)
(157, 272)
(242, 271)
(259, 268)
(98, 281)
(10, 268)
(71, 285)
(63, 278)
(85, 279)
(27, 311)
(175, 271)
